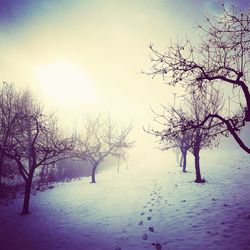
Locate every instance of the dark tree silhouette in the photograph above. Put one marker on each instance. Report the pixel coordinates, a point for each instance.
(183, 143)
(222, 56)
(174, 121)
(101, 139)
(31, 138)
(180, 143)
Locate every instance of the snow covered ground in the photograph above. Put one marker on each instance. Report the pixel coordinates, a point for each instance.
(153, 203)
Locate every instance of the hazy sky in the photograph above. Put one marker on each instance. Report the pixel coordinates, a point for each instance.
(86, 56)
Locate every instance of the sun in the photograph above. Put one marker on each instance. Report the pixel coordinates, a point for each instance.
(65, 82)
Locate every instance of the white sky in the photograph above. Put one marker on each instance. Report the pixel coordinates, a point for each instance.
(86, 56)
(93, 48)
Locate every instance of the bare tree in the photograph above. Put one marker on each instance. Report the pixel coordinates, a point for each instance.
(174, 122)
(222, 56)
(183, 142)
(9, 99)
(180, 143)
(101, 139)
(32, 139)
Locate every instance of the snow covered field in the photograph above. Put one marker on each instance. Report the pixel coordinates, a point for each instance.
(151, 206)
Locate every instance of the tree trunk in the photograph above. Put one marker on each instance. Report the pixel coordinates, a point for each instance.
(181, 161)
(26, 201)
(42, 174)
(247, 114)
(184, 161)
(247, 96)
(197, 166)
(93, 173)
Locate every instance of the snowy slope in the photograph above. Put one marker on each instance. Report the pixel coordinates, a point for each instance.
(142, 206)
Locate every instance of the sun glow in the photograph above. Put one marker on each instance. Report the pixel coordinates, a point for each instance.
(65, 81)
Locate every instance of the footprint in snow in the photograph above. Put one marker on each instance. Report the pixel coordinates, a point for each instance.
(151, 229)
(150, 210)
(149, 218)
(145, 237)
(157, 246)
(140, 223)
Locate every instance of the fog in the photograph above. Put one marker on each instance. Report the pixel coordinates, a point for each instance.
(86, 57)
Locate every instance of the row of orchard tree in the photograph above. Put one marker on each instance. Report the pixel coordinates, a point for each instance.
(221, 57)
(30, 138)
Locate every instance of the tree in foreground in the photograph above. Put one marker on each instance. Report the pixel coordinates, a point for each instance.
(174, 121)
(29, 137)
(222, 56)
(101, 139)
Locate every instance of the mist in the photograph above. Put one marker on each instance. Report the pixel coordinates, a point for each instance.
(89, 69)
